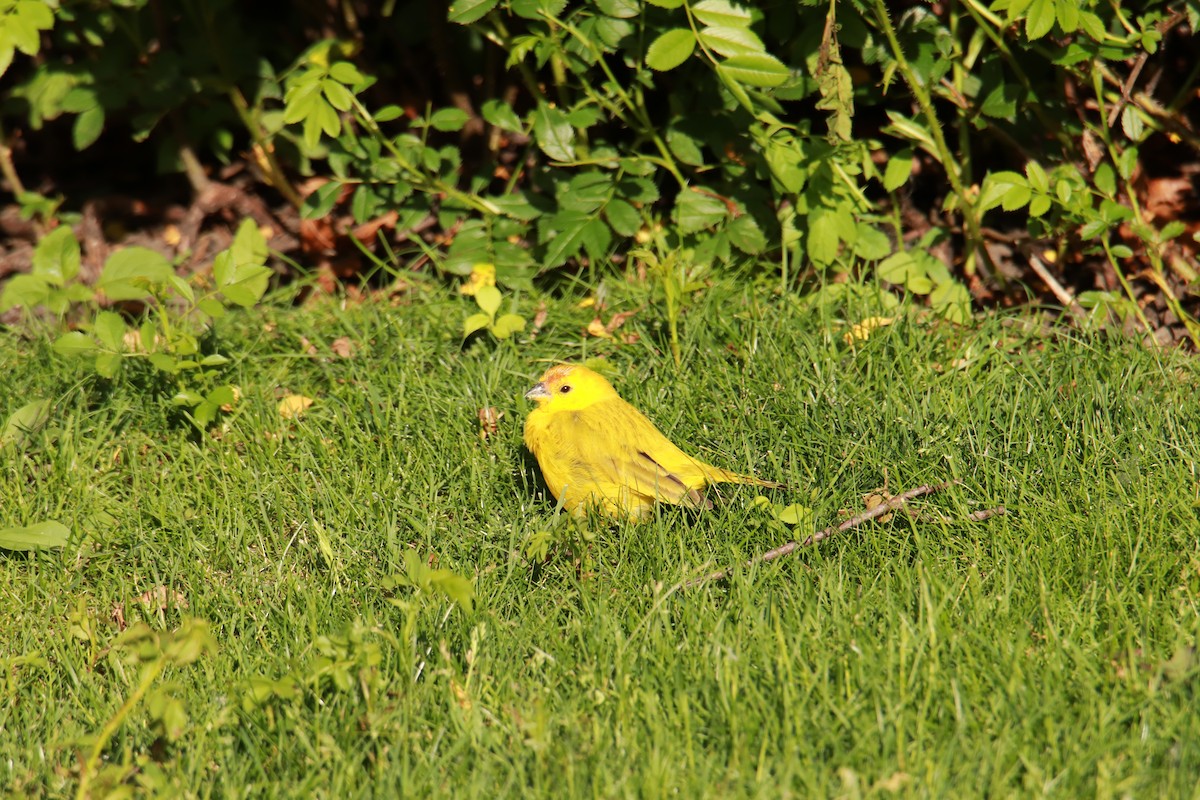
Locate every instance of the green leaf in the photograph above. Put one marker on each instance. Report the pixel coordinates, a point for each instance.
(248, 285)
(56, 257)
(823, 239)
(728, 41)
(464, 12)
(952, 301)
(746, 235)
(568, 241)
(670, 49)
(449, 119)
(721, 13)
(249, 246)
(621, 9)
(696, 211)
(508, 324)
(475, 322)
(41, 536)
(488, 299)
(1038, 181)
(74, 343)
(26, 420)
(27, 291)
(899, 169)
(554, 133)
(459, 589)
(345, 72)
(214, 360)
(107, 364)
(758, 69)
(685, 147)
(319, 203)
(1039, 19)
(128, 274)
(501, 114)
(165, 363)
(870, 243)
(88, 127)
(338, 95)
(623, 217)
(1131, 123)
(110, 329)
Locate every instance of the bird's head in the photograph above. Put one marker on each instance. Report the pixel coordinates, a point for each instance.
(570, 387)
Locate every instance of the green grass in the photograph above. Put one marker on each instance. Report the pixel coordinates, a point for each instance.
(929, 656)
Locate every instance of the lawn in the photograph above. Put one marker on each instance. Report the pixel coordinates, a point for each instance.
(1046, 652)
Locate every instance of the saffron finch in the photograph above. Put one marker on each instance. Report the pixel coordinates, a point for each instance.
(596, 450)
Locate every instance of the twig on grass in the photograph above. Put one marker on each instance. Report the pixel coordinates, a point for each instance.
(878, 511)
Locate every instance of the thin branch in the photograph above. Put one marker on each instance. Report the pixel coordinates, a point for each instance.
(879, 510)
(1061, 292)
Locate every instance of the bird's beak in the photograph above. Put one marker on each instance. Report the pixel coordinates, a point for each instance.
(538, 392)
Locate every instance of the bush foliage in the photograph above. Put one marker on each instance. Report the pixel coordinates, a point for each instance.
(537, 134)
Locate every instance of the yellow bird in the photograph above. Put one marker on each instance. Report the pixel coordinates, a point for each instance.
(596, 450)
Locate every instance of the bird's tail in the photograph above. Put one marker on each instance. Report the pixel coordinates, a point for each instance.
(725, 476)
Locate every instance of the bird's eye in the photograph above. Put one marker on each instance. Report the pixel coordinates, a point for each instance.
(565, 389)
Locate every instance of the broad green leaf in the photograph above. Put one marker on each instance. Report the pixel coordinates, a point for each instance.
(996, 186)
(74, 343)
(952, 301)
(899, 169)
(731, 41)
(670, 49)
(756, 69)
(721, 13)
(128, 274)
(620, 9)
(1038, 181)
(345, 72)
(88, 127)
(459, 589)
(696, 211)
(567, 242)
(110, 329)
(319, 203)
(249, 246)
(912, 130)
(508, 324)
(586, 192)
(554, 133)
(488, 299)
(623, 217)
(248, 285)
(107, 364)
(1039, 19)
(27, 291)
(823, 239)
(501, 114)
(684, 147)
(746, 235)
(1131, 123)
(449, 119)
(40, 536)
(26, 420)
(1067, 12)
(475, 322)
(870, 243)
(56, 257)
(165, 363)
(337, 95)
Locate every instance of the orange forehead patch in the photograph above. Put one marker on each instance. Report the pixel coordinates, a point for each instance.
(557, 374)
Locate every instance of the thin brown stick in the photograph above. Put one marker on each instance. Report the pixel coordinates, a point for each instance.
(988, 513)
(1061, 292)
(879, 510)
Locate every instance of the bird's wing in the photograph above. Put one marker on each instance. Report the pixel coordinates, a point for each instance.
(620, 451)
